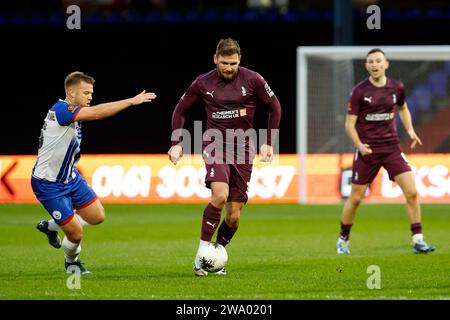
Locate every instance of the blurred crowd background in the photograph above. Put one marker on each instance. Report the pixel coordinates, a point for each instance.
(145, 11)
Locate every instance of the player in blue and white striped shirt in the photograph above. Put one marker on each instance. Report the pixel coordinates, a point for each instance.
(55, 180)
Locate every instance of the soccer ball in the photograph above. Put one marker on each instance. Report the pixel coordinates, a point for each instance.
(212, 257)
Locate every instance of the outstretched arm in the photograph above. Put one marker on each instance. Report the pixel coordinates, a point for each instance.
(405, 116)
(105, 110)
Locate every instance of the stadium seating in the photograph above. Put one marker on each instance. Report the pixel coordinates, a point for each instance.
(439, 81)
(422, 99)
(209, 14)
(423, 96)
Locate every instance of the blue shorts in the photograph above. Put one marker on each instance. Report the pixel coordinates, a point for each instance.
(60, 199)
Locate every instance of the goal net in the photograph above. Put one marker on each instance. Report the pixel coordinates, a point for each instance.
(326, 75)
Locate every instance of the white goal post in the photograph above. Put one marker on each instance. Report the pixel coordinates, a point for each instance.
(325, 76)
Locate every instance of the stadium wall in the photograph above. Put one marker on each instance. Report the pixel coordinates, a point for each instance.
(128, 178)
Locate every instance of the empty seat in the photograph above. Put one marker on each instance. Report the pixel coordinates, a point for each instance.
(423, 96)
(438, 81)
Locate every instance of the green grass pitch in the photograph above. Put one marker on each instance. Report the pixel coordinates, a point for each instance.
(281, 252)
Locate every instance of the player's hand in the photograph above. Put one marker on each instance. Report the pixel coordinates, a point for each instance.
(266, 153)
(415, 139)
(142, 97)
(175, 153)
(365, 149)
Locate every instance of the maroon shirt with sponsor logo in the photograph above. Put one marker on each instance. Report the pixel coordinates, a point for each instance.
(228, 104)
(375, 108)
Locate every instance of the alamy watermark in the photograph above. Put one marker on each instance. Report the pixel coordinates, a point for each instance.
(74, 280)
(234, 146)
(374, 21)
(374, 280)
(74, 20)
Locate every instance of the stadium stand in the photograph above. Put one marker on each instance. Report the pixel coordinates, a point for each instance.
(24, 12)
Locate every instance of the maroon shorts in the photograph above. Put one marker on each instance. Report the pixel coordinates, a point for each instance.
(236, 175)
(365, 169)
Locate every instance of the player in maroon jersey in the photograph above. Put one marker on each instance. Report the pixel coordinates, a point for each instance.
(370, 124)
(230, 94)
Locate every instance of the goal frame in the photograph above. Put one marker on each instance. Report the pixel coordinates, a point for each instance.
(416, 52)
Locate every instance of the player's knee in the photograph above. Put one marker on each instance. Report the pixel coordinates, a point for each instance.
(233, 222)
(219, 199)
(232, 219)
(100, 217)
(75, 236)
(97, 216)
(411, 195)
(355, 200)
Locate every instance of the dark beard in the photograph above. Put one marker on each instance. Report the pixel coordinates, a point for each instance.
(233, 76)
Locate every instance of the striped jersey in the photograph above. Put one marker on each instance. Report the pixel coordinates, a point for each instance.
(59, 144)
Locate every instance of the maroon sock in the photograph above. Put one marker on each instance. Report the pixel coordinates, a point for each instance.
(211, 218)
(224, 234)
(345, 231)
(416, 228)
